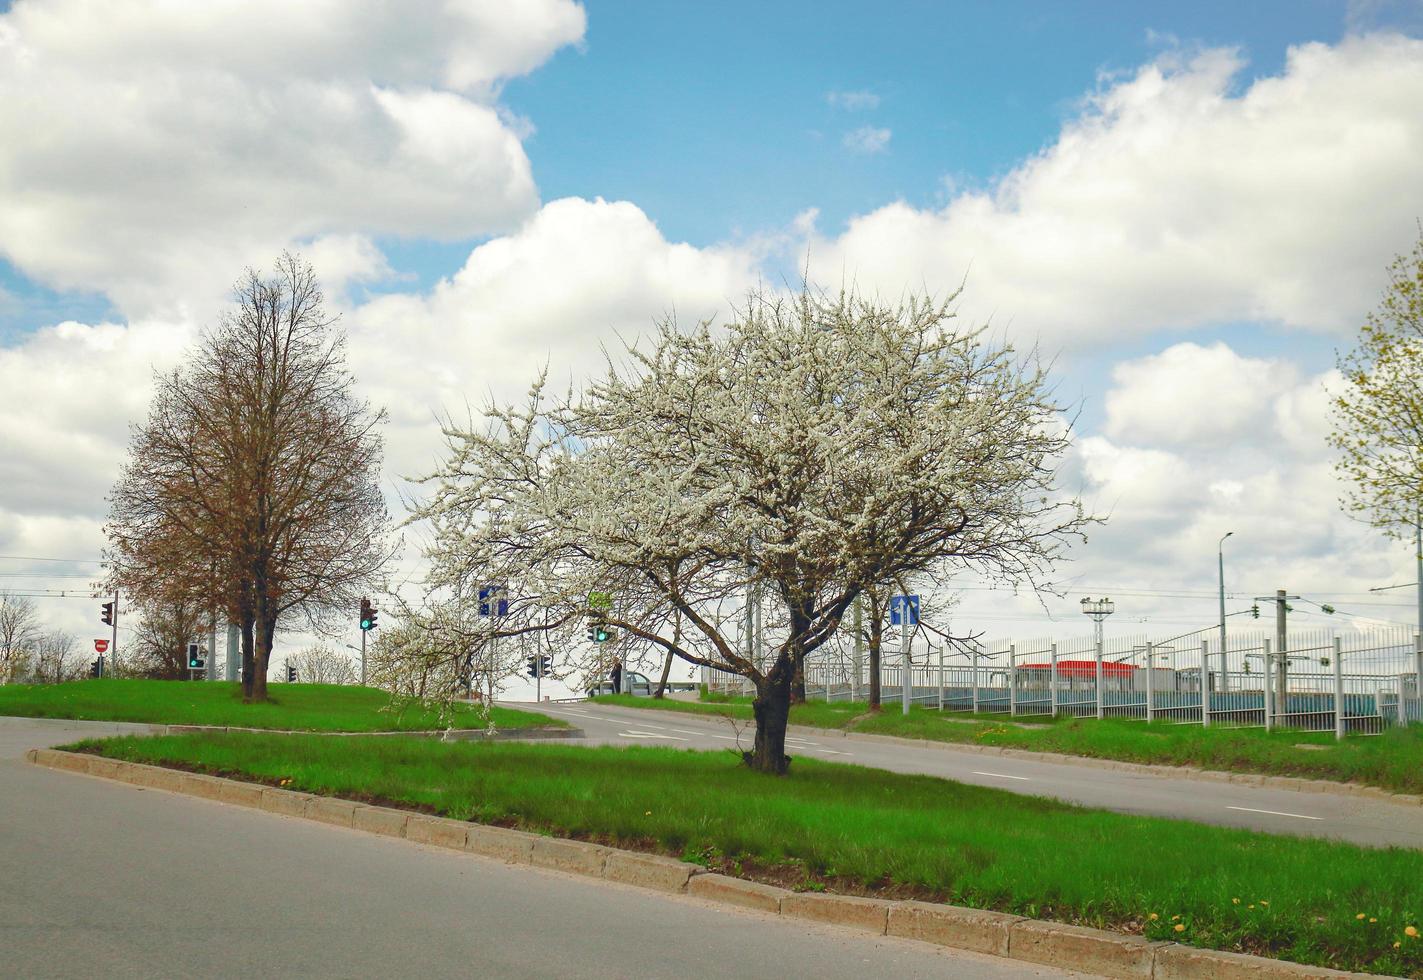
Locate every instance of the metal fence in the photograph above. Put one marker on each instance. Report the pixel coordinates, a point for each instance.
(1355, 682)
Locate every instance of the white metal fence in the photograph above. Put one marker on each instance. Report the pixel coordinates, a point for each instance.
(1355, 682)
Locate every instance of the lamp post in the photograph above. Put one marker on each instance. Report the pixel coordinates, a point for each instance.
(1220, 566)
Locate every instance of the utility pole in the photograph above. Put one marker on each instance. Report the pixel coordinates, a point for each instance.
(1224, 663)
(1418, 555)
(1281, 651)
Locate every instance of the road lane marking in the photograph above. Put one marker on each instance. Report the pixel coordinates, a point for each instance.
(1274, 813)
(649, 735)
(1000, 775)
(685, 731)
(832, 752)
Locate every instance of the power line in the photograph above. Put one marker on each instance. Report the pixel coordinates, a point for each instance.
(73, 561)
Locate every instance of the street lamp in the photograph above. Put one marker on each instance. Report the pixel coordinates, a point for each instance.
(1220, 566)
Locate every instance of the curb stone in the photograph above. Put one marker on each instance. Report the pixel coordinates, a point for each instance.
(1050, 943)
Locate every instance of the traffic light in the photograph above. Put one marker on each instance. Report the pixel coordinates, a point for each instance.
(545, 663)
(108, 613)
(533, 663)
(195, 660)
(96, 669)
(291, 674)
(599, 633)
(368, 615)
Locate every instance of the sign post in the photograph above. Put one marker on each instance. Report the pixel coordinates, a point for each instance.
(904, 613)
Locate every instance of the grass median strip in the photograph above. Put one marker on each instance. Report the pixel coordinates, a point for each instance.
(1392, 761)
(864, 831)
(299, 707)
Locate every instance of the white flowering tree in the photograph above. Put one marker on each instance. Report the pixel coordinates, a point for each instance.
(811, 448)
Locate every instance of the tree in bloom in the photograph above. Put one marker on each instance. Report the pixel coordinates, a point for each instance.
(814, 447)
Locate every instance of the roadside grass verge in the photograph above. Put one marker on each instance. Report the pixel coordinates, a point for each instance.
(1392, 761)
(856, 830)
(299, 707)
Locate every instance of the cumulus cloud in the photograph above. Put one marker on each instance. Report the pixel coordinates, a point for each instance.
(162, 153)
(1189, 394)
(853, 101)
(1179, 197)
(867, 139)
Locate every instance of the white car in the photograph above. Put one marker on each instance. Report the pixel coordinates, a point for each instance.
(641, 686)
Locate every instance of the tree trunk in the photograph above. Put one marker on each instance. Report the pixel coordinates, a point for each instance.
(772, 709)
(876, 635)
(267, 632)
(798, 685)
(249, 653)
(666, 669)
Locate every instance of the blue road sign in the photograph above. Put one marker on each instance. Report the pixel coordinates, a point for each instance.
(484, 596)
(898, 605)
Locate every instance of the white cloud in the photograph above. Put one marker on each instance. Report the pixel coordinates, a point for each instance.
(1190, 394)
(853, 101)
(1173, 201)
(867, 139)
(161, 154)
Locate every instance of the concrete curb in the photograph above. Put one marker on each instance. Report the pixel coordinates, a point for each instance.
(1051, 943)
(1298, 784)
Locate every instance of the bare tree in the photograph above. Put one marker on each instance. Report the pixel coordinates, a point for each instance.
(19, 633)
(254, 482)
(322, 664)
(813, 448)
(57, 657)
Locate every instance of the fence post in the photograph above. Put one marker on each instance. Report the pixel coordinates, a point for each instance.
(1417, 678)
(1100, 714)
(941, 678)
(1150, 683)
(1205, 684)
(1012, 680)
(1338, 689)
(1269, 686)
(973, 669)
(1052, 680)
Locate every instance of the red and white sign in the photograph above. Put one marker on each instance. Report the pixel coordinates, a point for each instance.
(100, 646)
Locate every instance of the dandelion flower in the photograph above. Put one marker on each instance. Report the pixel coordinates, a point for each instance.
(648, 813)
(1153, 917)
(1360, 916)
(1235, 901)
(1180, 927)
(1396, 945)
(1263, 902)
(1175, 917)
(1373, 919)
(1411, 932)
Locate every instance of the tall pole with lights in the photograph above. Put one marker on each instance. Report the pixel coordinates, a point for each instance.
(1099, 610)
(1220, 566)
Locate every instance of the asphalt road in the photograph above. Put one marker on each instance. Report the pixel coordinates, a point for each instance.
(105, 879)
(1375, 823)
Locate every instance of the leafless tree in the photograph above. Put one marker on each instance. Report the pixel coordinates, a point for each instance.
(19, 632)
(322, 664)
(254, 482)
(57, 657)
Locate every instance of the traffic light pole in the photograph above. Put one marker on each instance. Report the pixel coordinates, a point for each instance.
(363, 657)
(114, 642)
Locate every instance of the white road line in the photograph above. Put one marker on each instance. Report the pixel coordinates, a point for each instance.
(674, 738)
(999, 775)
(832, 752)
(729, 738)
(797, 741)
(1274, 813)
(685, 731)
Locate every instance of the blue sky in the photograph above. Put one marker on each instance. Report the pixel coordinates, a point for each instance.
(714, 118)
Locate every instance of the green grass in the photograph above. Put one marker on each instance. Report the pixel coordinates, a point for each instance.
(299, 707)
(1393, 760)
(873, 832)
